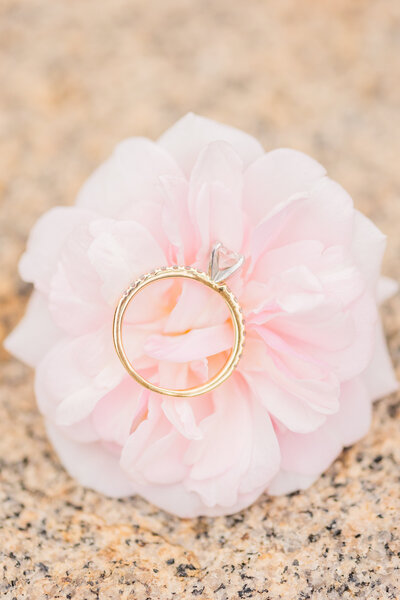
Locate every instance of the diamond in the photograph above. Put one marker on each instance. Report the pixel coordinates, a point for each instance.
(223, 263)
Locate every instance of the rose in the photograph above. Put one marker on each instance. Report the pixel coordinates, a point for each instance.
(315, 357)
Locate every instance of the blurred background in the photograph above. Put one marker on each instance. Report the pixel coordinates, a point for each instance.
(79, 76)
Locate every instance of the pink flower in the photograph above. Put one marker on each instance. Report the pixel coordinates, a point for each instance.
(315, 356)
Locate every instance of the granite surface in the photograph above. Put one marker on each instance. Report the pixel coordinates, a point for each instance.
(76, 77)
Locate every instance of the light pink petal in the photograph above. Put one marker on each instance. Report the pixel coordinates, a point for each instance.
(368, 247)
(297, 291)
(177, 500)
(180, 413)
(265, 453)
(319, 394)
(380, 377)
(183, 376)
(264, 235)
(323, 326)
(76, 310)
(222, 490)
(75, 299)
(176, 221)
(153, 452)
(218, 450)
(290, 410)
(315, 329)
(211, 207)
(276, 176)
(303, 295)
(299, 453)
(353, 420)
(273, 262)
(83, 431)
(127, 179)
(173, 375)
(192, 133)
(120, 253)
(334, 268)
(215, 195)
(255, 356)
(325, 212)
(241, 457)
(387, 288)
(340, 277)
(161, 460)
(351, 361)
(120, 411)
(78, 405)
(348, 425)
(194, 345)
(201, 368)
(151, 306)
(134, 338)
(257, 304)
(35, 334)
(288, 482)
(75, 375)
(183, 318)
(92, 465)
(46, 241)
(218, 163)
(343, 341)
(318, 290)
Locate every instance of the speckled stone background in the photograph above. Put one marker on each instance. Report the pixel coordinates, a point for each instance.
(78, 76)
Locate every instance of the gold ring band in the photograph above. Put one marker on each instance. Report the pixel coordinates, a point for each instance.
(188, 273)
